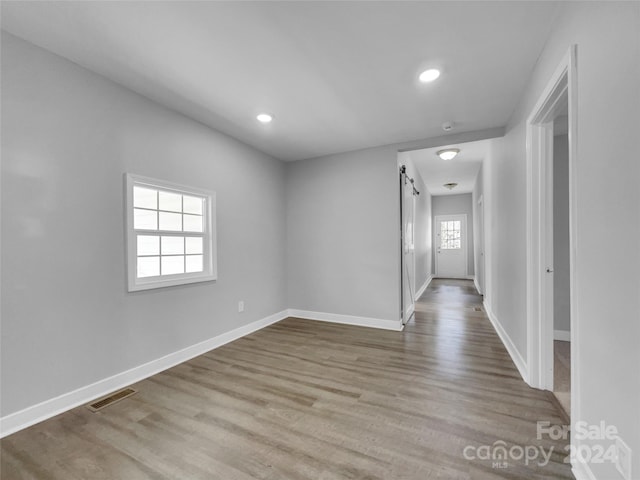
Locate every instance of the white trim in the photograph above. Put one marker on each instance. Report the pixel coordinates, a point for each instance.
(563, 335)
(42, 411)
(563, 83)
(463, 277)
(395, 325)
(424, 286)
(475, 282)
(478, 242)
(508, 343)
(581, 470)
(410, 311)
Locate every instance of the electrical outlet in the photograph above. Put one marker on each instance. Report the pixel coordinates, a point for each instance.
(623, 458)
(241, 306)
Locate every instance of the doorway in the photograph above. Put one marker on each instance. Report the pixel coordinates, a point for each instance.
(551, 216)
(561, 272)
(451, 246)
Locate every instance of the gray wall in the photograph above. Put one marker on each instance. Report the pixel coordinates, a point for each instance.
(424, 235)
(607, 196)
(456, 205)
(343, 222)
(343, 234)
(68, 136)
(561, 287)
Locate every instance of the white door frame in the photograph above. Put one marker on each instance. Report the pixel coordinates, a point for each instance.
(479, 271)
(464, 238)
(562, 86)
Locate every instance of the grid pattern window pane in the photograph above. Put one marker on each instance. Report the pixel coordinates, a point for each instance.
(170, 202)
(172, 265)
(194, 263)
(148, 245)
(192, 205)
(145, 219)
(193, 245)
(450, 236)
(148, 267)
(145, 198)
(162, 211)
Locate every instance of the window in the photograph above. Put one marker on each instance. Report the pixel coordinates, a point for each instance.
(170, 234)
(450, 235)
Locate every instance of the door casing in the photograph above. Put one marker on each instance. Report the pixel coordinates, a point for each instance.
(561, 87)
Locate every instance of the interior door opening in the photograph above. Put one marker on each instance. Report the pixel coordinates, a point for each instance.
(551, 243)
(560, 254)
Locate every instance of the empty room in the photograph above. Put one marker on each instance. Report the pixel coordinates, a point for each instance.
(320, 240)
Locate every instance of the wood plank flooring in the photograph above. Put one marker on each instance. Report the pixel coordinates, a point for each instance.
(312, 400)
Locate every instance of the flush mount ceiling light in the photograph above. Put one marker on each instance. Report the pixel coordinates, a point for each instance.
(448, 153)
(429, 75)
(264, 118)
(450, 186)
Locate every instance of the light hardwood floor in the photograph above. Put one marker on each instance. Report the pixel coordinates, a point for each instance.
(312, 400)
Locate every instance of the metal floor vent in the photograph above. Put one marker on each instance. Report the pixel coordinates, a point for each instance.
(111, 399)
(477, 309)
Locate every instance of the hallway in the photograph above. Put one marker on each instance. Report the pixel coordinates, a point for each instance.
(478, 387)
(304, 399)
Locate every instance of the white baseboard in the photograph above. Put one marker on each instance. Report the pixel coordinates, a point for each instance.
(582, 470)
(31, 415)
(423, 287)
(411, 310)
(521, 365)
(475, 282)
(348, 319)
(563, 335)
(461, 277)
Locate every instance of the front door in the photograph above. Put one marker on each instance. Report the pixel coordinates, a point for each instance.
(451, 246)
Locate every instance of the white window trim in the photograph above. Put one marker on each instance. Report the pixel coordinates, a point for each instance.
(210, 264)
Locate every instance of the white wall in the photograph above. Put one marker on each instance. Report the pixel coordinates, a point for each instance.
(343, 234)
(561, 272)
(68, 136)
(607, 193)
(460, 204)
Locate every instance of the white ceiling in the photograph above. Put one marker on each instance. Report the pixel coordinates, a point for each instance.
(463, 169)
(338, 76)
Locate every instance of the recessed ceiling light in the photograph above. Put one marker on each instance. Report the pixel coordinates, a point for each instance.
(429, 75)
(448, 153)
(264, 118)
